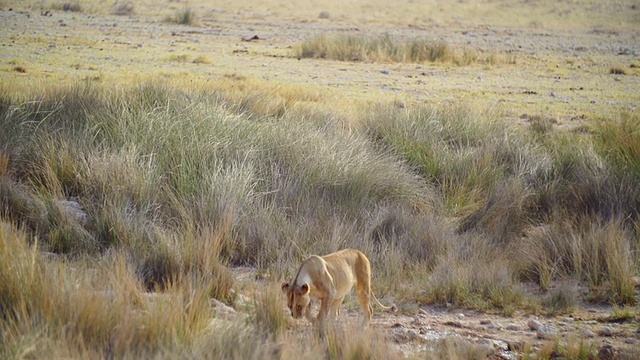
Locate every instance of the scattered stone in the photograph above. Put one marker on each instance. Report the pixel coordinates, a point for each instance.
(588, 333)
(546, 333)
(630, 341)
(404, 335)
(454, 324)
(250, 38)
(515, 346)
(323, 15)
(606, 352)
(485, 322)
(513, 327)
(606, 331)
(535, 325)
(384, 72)
(460, 316)
(222, 310)
(73, 209)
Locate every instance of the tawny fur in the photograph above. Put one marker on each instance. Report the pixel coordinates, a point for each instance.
(330, 278)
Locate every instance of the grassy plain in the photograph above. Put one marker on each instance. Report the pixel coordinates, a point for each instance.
(484, 154)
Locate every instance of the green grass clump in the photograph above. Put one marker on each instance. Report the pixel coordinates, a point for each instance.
(619, 140)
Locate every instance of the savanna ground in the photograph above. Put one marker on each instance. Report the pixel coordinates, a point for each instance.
(165, 165)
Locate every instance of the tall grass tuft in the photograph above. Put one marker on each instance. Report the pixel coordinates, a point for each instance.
(598, 253)
(387, 48)
(456, 348)
(352, 343)
(186, 16)
(619, 139)
(269, 314)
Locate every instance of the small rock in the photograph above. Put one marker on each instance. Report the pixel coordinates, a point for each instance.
(546, 333)
(403, 335)
(460, 316)
(324, 15)
(606, 352)
(485, 322)
(250, 38)
(630, 341)
(223, 310)
(500, 345)
(513, 327)
(588, 333)
(535, 325)
(384, 72)
(73, 209)
(516, 346)
(606, 331)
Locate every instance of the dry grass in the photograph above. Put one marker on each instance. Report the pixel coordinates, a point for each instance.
(387, 48)
(186, 16)
(124, 8)
(168, 211)
(180, 180)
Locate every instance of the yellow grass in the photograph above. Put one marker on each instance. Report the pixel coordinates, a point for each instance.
(248, 153)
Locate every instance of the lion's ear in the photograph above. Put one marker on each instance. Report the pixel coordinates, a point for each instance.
(304, 288)
(285, 287)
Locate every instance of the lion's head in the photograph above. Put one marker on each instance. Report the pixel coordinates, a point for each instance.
(298, 299)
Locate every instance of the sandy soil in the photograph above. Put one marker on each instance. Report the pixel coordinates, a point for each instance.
(562, 74)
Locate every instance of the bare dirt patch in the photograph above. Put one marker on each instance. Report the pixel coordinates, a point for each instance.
(419, 331)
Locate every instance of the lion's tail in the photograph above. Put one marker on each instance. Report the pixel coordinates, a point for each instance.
(392, 307)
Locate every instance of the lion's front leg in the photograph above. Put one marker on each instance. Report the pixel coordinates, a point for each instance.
(308, 315)
(325, 309)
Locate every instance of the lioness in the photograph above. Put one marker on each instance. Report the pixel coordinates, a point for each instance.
(328, 279)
